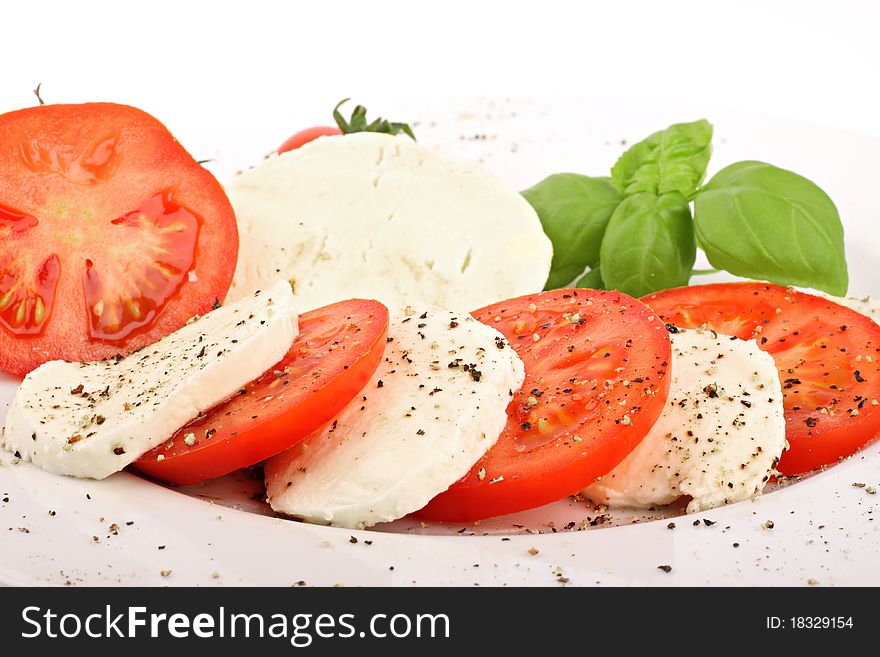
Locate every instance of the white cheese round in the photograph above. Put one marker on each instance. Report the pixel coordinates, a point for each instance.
(381, 217)
(719, 437)
(436, 404)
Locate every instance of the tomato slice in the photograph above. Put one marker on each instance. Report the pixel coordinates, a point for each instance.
(111, 234)
(303, 137)
(337, 350)
(828, 358)
(596, 367)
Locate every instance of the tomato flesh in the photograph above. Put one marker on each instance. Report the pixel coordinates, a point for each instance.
(154, 248)
(111, 235)
(596, 381)
(24, 303)
(303, 137)
(828, 357)
(332, 359)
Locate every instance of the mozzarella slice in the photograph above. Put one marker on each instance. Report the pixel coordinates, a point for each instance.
(381, 217)
(718, 439)
(435, 405)
(93, 419)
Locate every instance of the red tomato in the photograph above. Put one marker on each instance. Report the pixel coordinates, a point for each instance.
(111, 234)
(596, 381)
(337, 350)
(303, 137)
(828, 358)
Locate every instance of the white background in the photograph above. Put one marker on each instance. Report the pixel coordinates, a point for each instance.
(238, 77)
(230, 66)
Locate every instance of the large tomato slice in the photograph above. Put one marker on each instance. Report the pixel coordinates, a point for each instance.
(828, 358)
(111, 234)
(337, 350)
(596, 381)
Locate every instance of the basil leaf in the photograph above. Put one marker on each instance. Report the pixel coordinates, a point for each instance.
(759, 221)
(649, 244)
(671, 160)
(592, 279)
(574, 211)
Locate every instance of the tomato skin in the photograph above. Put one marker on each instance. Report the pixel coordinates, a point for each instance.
(577, 415)
(72, 177)
(828, 358)
(338, 349)
(303, 137)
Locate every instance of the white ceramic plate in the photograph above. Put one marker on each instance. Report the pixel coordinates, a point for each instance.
(127, 530)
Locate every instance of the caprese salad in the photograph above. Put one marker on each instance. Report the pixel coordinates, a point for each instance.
(367, 319)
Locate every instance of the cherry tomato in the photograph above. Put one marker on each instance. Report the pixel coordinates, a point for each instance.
(303, 137)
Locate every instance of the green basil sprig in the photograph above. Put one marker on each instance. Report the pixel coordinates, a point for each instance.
(636, 232)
